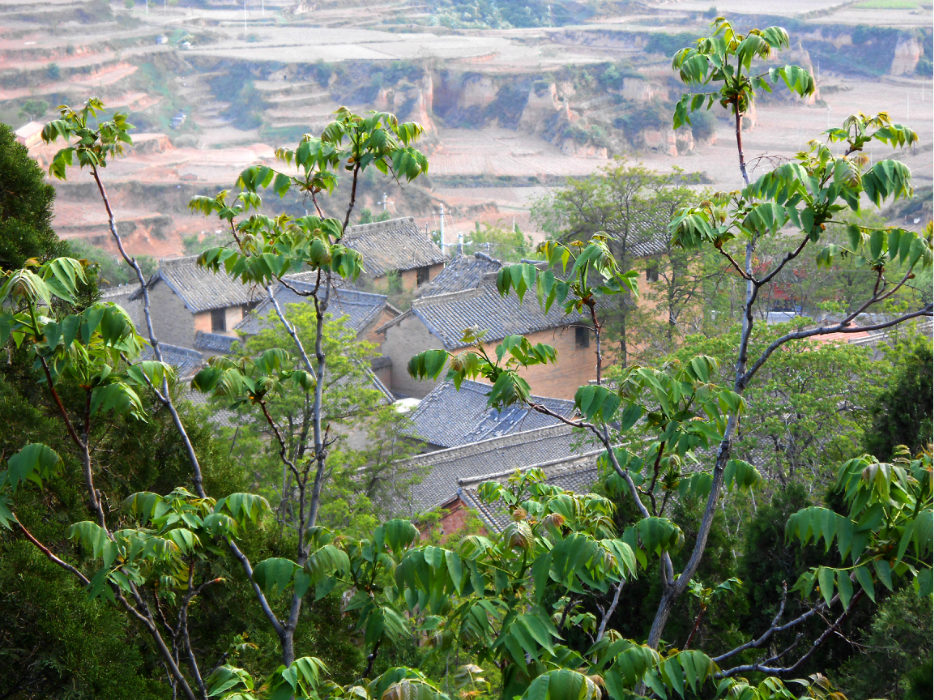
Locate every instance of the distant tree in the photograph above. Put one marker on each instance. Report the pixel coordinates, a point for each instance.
(631, 205)
(505, 244)
(33, 109)
(896, 652)
(109, 270)
(354, 409)
(26, 203)
(903, 413)
(54, 71)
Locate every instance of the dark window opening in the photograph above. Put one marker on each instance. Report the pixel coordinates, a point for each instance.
(421, 276)
(218, 320)
(651, 273)
(582, 336)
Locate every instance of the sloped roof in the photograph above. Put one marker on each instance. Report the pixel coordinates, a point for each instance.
(575, 472)
(360, 308)
(215, 342)
(187, 362)
(200, 289)
(449, 417)
(397, 244)
(443, 468)
(447, 315)
(464, 295)
(120, 295)
(460, 273)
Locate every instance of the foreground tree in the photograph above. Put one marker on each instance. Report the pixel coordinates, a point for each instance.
(807, 194)
(25, 207)
(509, 600)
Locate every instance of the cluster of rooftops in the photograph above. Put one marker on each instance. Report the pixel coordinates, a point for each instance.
(198, 314)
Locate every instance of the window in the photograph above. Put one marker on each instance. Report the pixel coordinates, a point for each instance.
(421, 275)
(582, 336)
(218, 320)
(651, 273)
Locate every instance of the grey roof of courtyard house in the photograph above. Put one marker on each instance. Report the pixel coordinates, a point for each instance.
(460, 273)
(397, 244)
(199, 288)
(495, 456)
(447, 315)
(185, 361)
(448, 417)
(215, 342)
(360, 308)
(574, 472)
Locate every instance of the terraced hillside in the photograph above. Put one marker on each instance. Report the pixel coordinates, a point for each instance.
(510, 106)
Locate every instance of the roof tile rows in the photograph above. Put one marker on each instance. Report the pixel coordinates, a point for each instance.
(199, 288)
(488, 458)
(214, 342)
(577, 473)
(448, 417)
(360, 308)
(397, 244)
(460, 273)
(187, 362)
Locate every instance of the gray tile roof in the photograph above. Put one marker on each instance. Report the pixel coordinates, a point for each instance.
(496, 456)
(447, 315)
(200, 289)
(187, 362)
(447, 417)
(464, 295)
(576, 473)
(397, 244)
(360, 308)
(460, 273)
(215, 342)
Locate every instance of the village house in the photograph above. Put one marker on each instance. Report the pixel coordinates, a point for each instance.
(449, 417)
(557, 448)
(363, 312)
(395, 246)
(29, 134)
(185, 299)
(464, 295)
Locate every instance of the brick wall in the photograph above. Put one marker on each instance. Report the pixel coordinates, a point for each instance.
(575, 366)
(171, 320)
(401, 341)
(369, 333)
(454, 515)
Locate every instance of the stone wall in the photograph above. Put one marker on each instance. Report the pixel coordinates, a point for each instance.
(171, 320)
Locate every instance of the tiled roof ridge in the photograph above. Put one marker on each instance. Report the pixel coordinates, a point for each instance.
(576, 457)
(480, 446)
(178, 262)
(358, 230)
(447, 298)
(119, 290)
(181, 350)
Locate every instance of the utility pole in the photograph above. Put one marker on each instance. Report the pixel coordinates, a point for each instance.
(907, 105)
(442, 229)
(244, 20)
